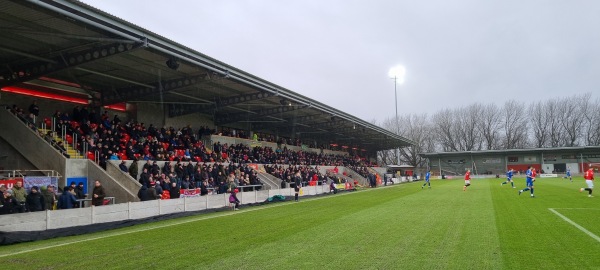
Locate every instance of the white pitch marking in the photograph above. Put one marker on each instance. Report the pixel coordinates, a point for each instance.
(592, 235)
(163, 226)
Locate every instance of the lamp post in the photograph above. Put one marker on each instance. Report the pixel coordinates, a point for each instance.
(397, 73)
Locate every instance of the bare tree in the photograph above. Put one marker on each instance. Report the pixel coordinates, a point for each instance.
(389, 156)
(490, 125)
(466, 123)
(538, 121)
(515, 133)
(416, 128)
(552, 123)
(555, 129)
(443, 124)
(592, 124)
(572, 111)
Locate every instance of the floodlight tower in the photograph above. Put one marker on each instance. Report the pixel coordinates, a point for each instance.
(397, 73)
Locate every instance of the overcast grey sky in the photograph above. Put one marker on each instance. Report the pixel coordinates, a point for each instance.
(339, 52)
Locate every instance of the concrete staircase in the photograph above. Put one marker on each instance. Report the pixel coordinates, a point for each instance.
(270, 181)
(357, 176)
(73, 153)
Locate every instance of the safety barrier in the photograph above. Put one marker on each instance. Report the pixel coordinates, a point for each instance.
(39, 221)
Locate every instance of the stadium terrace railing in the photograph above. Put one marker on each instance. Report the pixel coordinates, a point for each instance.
(23, 173)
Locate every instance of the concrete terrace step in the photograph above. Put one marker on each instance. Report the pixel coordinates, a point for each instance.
(74, 154)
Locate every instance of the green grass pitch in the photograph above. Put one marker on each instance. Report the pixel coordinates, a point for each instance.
(400, 227)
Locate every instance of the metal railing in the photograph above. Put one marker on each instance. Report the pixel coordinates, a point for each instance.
(23, 173)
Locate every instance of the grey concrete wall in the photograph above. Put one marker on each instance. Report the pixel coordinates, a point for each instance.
(195, 120)
(148, 113)
(112, 187)
(11, 159)
(270, 181)
(196, 203)
(112, 168)
(27, 142)
(34, 221)
(111, 213)
(70, 218)
(76, 168)
(39, 221)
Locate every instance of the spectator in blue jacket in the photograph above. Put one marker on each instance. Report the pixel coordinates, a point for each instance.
(67, 199)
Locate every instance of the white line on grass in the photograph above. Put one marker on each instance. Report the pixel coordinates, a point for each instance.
(574, 208)
(168, 225)
(592, 235)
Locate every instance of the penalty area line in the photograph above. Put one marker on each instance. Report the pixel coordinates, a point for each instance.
(107, 235)
(581, 228)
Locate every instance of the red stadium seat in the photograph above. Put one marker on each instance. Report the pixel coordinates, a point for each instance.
(91, 156)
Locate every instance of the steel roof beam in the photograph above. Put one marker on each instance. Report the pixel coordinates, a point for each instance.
(232, 118)
(127, 93)
(218, 103)
(43, 67)
(300, 120)
(66, 36)
(230, 101)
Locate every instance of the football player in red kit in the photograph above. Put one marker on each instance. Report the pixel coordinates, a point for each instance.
(467, 180)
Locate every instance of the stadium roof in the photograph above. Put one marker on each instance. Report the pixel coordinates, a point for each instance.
(514, 151)
(70, 48)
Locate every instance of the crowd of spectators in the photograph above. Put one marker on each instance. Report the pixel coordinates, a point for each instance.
(111, 138)
(107, 137)
(19, 200)
(309, 175)
(29, 120)
(241, 153)
(208, 177)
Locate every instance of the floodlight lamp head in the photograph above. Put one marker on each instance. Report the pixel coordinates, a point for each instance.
(397, 73)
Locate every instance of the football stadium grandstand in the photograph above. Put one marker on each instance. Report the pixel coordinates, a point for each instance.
(496, 162)
(91, 97)
(122, 149)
